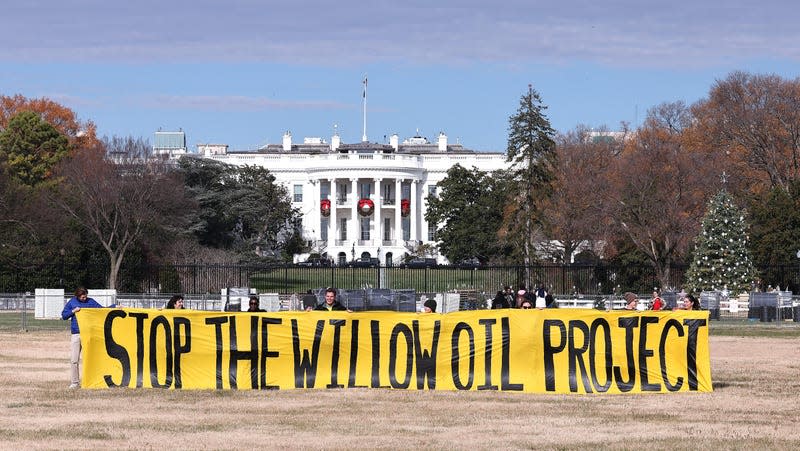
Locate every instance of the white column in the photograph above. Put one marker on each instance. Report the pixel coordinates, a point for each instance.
(397, 236)
(333, 226)
(316, 216)
(415, 207)
(355, 228)
(378, 204)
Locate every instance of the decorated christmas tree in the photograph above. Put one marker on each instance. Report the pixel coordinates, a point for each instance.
(722, 257)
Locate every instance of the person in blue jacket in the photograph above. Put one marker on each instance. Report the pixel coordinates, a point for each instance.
(80, 301)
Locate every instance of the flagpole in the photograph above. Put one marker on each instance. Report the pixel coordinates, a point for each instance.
(364, 109)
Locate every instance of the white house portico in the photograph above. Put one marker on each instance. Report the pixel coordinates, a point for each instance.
(364, 199)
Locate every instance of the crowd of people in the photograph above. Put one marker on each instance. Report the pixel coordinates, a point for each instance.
(523, 298)
(686, 301)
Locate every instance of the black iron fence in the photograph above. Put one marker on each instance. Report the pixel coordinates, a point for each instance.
(199, 278)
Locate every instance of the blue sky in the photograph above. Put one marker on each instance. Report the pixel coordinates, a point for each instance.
(242, 72)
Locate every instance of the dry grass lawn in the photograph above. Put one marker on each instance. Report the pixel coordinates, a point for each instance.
(755, 405)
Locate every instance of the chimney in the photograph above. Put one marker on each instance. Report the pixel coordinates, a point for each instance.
(394, 141)
(442, 142)
(287, 140)
(336, 141)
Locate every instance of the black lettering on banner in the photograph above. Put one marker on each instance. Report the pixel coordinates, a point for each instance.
(398, 329)
(305, 367)
(375, 333)
(662, 350)
(597, 324)
(351, 379)
(454, 363)
(235, 354)
(644, 353)
(550, 351)
(140, 317)
(691, 350)
(629, 324)
(266, 353)
(426, 361)
(115, 351)
(160, 321)
(218, 321)
(505, 368)
(576, 358)
(182, 326)
(337, 332)
(487, 324)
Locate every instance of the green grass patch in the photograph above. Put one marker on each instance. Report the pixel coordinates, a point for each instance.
(22, 321)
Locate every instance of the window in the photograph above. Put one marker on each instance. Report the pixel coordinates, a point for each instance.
(431, 232)
(323, 229)
(388, 199)
(341, 193)
(298, 193)
(365, 229)
(407, 229)
(387, 229)
(324, 190)
(406, 190)
(365, 190)
(432, 190)
(343, 229)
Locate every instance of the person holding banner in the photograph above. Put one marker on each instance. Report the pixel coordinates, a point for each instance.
(631, 301)
(80, 301)
(689, 303)
(331, 304)
(175, 302)
(255, 305)
(429, 306)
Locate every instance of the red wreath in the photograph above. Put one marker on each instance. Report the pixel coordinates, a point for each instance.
(405, 207)
(325, 207)
(366, 207)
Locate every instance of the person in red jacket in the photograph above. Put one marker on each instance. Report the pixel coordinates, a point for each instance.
(656, 302)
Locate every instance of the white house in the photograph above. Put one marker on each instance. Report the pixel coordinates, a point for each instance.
(365, 199)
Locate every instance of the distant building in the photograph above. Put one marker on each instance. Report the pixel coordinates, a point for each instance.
(357, 200)
(169, 145)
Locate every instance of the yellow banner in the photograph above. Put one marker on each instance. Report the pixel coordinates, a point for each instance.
(541, 351)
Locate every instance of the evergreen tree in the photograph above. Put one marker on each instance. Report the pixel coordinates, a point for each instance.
(532, 153)
(722, 257)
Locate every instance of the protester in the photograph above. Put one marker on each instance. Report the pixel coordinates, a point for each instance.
(81, 300)
(550, 301)
(255, 305)
(521, 298)
(656, 303)
(429, 306)
(690, 303)
(631, 301)
(175, 302)
(526, 304)
(500, 301)
(541, 294)
(331, 303)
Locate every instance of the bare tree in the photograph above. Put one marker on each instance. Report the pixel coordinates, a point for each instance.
(574, 215)
(755, 121)
(119, 203)
(658, 189)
